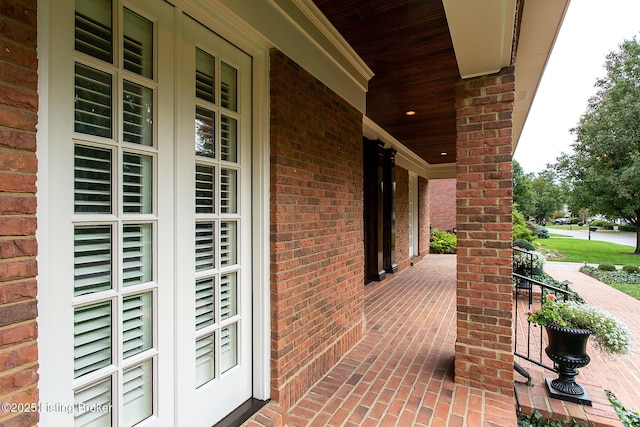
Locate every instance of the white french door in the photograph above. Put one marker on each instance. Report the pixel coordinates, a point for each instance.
(214, 227)
(146, 316)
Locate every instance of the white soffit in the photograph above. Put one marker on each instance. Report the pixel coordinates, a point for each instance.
(541, 22)
(482, 34)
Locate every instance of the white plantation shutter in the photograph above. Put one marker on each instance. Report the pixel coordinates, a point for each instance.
(205, 307)
(92, 338)
(228, 191)
(137, 393)
(136, 183)
(204, 188)
(137, 335)
(228, 139)
(92, 180)
(228, 347)
(205, 251)
(205, 359)
(95, 396)
(137, 114)
(228, 87)
(228, 296)
(93, 29)
(228, 242)
(205, 76)
(93, 95)
(137, 44)
(92, 259)
(136, 254)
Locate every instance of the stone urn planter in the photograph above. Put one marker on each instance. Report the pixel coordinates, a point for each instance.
(568, 350)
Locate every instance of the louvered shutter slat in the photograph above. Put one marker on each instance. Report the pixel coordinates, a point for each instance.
(205, 308)
(92, 338)
(95, 396)
(137, 393)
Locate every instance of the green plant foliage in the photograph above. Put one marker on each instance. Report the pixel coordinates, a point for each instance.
(520, 229)
(630, 269)
(610, 334)
(536, 420)
(605, 266)
(612, 277)
(524, 244)
(443, 242)
(628, 417)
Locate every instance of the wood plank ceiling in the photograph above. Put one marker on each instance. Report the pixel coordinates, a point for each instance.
(408, 46)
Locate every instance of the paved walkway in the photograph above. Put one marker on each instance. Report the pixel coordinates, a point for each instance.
(620, 374)
(400, 374)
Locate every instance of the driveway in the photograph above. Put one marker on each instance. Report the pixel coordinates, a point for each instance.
(621, 238)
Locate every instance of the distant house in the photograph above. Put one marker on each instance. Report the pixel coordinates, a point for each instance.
(193, 193)
(442, 204)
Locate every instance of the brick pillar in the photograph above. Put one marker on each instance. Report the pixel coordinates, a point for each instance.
(484, 349)
(18, 247)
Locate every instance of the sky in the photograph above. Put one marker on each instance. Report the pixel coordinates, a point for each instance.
(590, 30)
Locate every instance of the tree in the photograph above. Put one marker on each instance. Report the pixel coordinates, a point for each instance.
(522, 194)
(547, 195)
(604, 170)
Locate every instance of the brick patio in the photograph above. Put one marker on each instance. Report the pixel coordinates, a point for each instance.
(401, 372)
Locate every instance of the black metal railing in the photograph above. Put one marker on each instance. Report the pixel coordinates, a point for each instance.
(529, 293)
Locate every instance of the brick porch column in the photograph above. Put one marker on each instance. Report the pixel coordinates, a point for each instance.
(484, 349)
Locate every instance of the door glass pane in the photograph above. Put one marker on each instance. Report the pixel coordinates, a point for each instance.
(204, 188)
(137, 114)
(93, 29)
(91, 338)
(205, 132)
(137, 262)
(205, 252)
(205, 308)
(228, 139)
(137, 393)
(137, 315)
(137, 176)
(205, 76)
(228, 295)
(138, 44)
(205, 359)
(92, 270)
(93, 94)
(93, 406)
(92, 180)
(228, 243)
(228, 347)
(228, 87)
(228, 191)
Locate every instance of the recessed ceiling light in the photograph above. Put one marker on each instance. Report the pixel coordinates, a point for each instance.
(410, 113)
(443, 154)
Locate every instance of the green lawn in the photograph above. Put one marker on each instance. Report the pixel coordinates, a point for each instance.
(591, 251)
(632, 290)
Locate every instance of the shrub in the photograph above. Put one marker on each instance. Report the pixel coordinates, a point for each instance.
(605, 266)
(443, 242)
(521, 243)
(627, 227)
(520, 230)
(543, 233)
(631, 269)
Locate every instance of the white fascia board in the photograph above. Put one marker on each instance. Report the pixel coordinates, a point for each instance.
(482, 34)
(304, 34)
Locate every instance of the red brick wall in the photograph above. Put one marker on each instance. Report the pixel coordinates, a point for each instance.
(423, 216)
(18, 247)
(484, 350)
(317, 254)
(442, 200)
(401, 255)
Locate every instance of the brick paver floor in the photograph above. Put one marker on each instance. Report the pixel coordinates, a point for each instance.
(400, 374)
